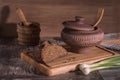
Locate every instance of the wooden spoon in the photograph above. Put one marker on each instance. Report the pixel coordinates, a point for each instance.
(22, 17)
(100, 16)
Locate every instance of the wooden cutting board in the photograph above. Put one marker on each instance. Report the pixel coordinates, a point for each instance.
(69, 62)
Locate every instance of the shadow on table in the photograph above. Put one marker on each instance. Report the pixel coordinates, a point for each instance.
(7, 29)
(118, 78)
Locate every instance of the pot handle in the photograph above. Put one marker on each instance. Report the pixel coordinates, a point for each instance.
(79, 18)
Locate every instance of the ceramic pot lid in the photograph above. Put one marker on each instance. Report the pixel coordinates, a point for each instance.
(78, 24)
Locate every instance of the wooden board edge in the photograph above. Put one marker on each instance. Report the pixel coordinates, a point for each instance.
(92, 60)
(49, 71)
(113, 52)
(44, 69)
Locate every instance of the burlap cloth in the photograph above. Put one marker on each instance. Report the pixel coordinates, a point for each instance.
(12, 65)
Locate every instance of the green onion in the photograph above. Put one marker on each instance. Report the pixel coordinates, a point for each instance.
(113, 62)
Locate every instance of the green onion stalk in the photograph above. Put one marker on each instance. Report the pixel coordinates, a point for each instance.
(113, 62)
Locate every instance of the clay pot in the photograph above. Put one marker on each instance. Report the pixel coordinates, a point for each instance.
(80, 36)
(28, 35)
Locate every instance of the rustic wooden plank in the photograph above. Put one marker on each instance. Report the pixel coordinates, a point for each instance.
(51, 13)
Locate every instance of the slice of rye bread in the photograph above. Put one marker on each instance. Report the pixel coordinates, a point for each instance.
(51, 52)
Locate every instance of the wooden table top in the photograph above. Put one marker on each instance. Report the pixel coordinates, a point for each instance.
(12, 67)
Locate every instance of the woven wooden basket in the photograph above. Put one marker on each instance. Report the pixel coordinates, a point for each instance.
(28, 35)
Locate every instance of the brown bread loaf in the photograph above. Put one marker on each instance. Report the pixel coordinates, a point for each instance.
(50, 52)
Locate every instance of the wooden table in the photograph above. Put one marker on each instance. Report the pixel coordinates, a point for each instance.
(12, 67)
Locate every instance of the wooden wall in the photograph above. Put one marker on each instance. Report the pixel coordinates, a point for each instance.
(51, 13)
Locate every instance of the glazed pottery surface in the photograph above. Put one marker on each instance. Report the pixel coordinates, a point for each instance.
(81, 36)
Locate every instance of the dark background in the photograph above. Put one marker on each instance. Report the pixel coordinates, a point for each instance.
(51, 13)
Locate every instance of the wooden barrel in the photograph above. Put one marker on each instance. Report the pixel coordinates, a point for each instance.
(28, 35)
